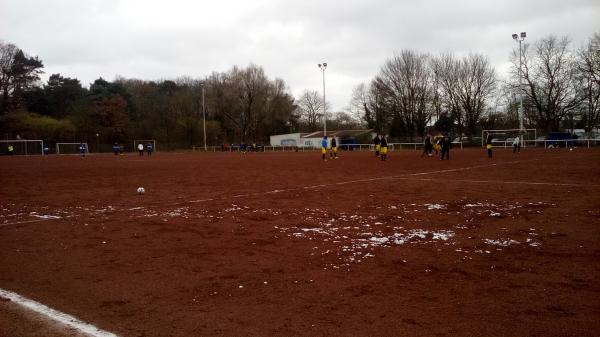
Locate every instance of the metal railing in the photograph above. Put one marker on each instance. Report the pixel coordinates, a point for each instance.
(342, 147)
(551, 143)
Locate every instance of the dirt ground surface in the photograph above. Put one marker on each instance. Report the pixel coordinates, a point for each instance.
(283, 244)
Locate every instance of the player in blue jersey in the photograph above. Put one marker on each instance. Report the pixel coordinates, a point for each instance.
(324, 148)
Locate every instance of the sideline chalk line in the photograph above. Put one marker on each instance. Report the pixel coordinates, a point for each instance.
(55, 315)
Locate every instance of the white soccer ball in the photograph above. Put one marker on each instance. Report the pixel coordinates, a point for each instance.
(141, 190)
(571, 149)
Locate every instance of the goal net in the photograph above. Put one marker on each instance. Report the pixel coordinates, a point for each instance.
(505, 137)
(70, 148)
(22, 146)
(144, 142)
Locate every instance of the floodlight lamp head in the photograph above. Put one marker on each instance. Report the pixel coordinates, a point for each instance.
(325, 64)
(515, 36)
(523, 34)
(320, 65)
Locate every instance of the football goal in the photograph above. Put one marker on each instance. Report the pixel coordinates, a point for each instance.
(506, 137)
(22, 146)
(144, 142)
(70, 148)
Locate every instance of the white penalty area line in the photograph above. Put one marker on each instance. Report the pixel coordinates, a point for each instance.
(55, 315)
(22, 222)
(364, 180)
(500, 182)
(35, 220)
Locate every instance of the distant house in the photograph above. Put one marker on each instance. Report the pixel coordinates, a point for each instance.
(313, 140)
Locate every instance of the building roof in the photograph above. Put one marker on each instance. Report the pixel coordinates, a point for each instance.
(337, 133)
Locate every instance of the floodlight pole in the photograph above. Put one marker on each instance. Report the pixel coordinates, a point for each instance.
(323, 67)
(520, 39)
(203, 117)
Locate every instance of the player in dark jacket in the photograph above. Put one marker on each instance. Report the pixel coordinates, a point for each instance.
(149, 148)
(446, 145)
(377, 143)
(488, 145)
(333, 150)
(383, 148)
(427, 146)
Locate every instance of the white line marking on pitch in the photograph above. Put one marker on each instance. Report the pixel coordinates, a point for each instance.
(495, 182)
(36, 220)
(402, 177)
(20, 222)
(55, 315)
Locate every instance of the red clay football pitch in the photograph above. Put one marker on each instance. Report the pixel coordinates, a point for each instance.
(283, 244)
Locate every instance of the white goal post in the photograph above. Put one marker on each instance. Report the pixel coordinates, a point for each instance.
(71, 148)
(144, 142)
(524, 135)
(22, 146)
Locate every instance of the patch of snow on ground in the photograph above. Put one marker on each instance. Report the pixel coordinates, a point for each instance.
(435, 206)
(501, 243)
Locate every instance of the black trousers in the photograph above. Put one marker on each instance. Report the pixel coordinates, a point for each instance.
(446, 152)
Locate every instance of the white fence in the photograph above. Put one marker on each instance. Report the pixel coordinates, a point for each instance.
(588, 143)
(344, 147)
(566, 143)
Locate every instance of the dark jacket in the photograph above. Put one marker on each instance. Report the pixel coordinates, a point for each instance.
(384, 142)
(446, 143)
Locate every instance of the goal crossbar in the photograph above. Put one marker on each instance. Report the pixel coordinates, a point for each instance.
(87, 149)
(521, 132)
(25, 141)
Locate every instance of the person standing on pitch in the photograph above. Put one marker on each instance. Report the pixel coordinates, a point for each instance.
(324, 148)
(11, 150)
(383, 148)
(488, 145)
(517, 144)
(149, 148)
(333, 151)
(82, 149)
(141, 149)
(445, 145)
(116, 148)
(427, 146)
(377, 143)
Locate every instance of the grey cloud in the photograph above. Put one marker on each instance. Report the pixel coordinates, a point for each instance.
(157, 39)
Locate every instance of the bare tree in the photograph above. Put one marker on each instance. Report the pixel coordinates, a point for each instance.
(476, 83)
(446, 69)
(310, 106)
(588, 67)
(406, 78)
(549, 77)
(359, 100)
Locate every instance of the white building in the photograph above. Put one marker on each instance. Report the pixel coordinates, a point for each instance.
(313, 139)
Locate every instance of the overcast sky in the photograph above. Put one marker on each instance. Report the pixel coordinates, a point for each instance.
(160, 39)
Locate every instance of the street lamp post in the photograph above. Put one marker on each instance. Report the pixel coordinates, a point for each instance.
(520, 39)
(203, 118)
(323, 67)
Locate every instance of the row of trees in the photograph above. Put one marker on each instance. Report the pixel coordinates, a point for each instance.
(414, 89)
(464, 94)
(242, 104)
(411, 93)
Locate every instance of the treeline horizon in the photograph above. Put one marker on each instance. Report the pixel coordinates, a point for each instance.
(412, 94)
